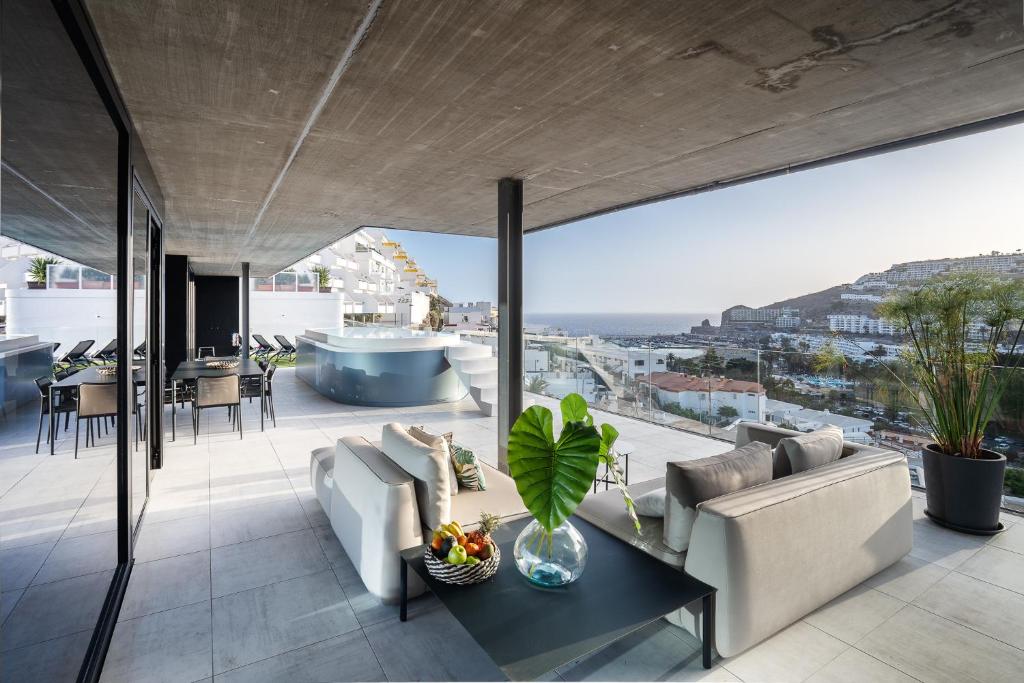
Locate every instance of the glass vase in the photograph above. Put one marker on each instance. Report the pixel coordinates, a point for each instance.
(550, 560)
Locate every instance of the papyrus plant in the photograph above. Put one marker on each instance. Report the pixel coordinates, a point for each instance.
(964, 333)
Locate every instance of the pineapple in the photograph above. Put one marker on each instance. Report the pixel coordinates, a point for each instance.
(482, 534)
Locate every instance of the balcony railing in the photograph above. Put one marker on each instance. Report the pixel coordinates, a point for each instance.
(65, 276)
(713, 387)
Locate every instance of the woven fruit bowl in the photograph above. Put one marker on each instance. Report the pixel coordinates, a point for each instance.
(107, 371)
(462, 574)
(222, 364)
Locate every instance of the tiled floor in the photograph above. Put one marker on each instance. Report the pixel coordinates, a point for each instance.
(238, 576)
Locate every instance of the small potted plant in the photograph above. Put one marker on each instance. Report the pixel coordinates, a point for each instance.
(552, 477)
(323, 278)
(964, 334)
(36, 273)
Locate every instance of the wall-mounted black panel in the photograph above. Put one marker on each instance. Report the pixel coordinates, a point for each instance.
(216, 312)
(175, 311)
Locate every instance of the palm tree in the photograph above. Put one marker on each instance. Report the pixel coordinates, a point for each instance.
(37, 267)
(536, 385)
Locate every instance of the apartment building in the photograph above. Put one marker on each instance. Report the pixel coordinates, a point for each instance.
(861, 324)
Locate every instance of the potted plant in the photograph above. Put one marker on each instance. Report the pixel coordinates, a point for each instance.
(37, 271)
(962, 328)
(323, 278)
(552, 477)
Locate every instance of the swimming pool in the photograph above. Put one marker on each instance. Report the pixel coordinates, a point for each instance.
(379, 366)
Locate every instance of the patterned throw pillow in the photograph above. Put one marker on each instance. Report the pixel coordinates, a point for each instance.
(467, 471)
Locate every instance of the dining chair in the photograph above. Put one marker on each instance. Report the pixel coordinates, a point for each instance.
(217, 392)
(205, 351)
(95, 400)
(62, 405)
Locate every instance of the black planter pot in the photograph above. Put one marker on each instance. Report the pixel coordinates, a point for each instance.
(964, 494)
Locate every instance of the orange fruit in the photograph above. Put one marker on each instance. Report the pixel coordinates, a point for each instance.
(472, 549)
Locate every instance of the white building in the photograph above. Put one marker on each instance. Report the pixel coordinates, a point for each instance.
(707, 395)
(472, 315)
(850, 296)
(860, 324)
(372, 272)
(807, 420)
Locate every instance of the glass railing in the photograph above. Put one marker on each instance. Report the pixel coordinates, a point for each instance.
(64, 276)
(287, 282)
(709, 387)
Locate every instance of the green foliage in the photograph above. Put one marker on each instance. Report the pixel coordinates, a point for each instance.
(727, 411)
(960, 388)
(677, 409)
(536, 385)
(323, 276)
(37, 267)
(436, 314)
(1014, 481)
(553, 477)
(828, 359)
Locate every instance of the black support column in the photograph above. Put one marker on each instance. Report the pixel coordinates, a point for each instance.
(244, 332)
(510, 311)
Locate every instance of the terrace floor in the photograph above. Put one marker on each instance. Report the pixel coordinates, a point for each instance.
(239, 577)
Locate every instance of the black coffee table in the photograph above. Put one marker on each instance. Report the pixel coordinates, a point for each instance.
(528, 630)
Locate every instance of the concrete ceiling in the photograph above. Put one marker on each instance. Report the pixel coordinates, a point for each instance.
(276, 127)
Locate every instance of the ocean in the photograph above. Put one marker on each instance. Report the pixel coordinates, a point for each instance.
(580, 324)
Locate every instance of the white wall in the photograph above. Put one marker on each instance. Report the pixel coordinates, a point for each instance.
(292, 313)
(68, 316)
(749, 406)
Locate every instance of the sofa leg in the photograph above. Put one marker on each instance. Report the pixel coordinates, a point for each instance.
(404, 578)
(707, 614)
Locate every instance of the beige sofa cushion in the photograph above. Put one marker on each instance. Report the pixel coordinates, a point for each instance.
(500, 498)
(429, 469)
(805, 452)
(438, 442)
(607, 512)
(691, 482)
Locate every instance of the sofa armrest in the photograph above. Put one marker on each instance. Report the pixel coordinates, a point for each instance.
(780, 550)
(374, 515)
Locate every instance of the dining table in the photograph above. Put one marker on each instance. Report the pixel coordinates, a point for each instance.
(192, 370)
(91, 375)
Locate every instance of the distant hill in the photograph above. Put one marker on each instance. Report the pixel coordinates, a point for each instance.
(817, 305)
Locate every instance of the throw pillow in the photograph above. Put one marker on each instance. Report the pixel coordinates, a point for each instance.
(651, 504)
(691, 482)
(807, 451)
(439, 442)
(429, 469)
(468, 471)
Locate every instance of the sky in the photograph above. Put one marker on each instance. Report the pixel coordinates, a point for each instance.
(761, 242)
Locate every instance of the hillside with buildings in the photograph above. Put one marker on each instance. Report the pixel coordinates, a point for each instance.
(851, 307)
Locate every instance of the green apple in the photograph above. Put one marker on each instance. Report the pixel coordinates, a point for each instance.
(457, 555)
(472, 560)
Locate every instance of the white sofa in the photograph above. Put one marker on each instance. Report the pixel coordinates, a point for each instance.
(373, 509)
(780, 550)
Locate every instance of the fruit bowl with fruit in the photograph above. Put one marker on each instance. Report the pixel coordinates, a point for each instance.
(463, 558)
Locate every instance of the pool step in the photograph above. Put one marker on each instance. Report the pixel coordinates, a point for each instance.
(477, 368)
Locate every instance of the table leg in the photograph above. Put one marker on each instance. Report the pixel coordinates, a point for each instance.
(404, 580)
(707, 628)
(263, 398)
(53, 434)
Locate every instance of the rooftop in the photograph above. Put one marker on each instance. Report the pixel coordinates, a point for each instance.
(237, 573)
(678, 381)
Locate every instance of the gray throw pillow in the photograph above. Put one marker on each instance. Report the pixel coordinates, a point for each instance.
(441, 442)
(807, 451)
(691, 482)
(651, 504)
